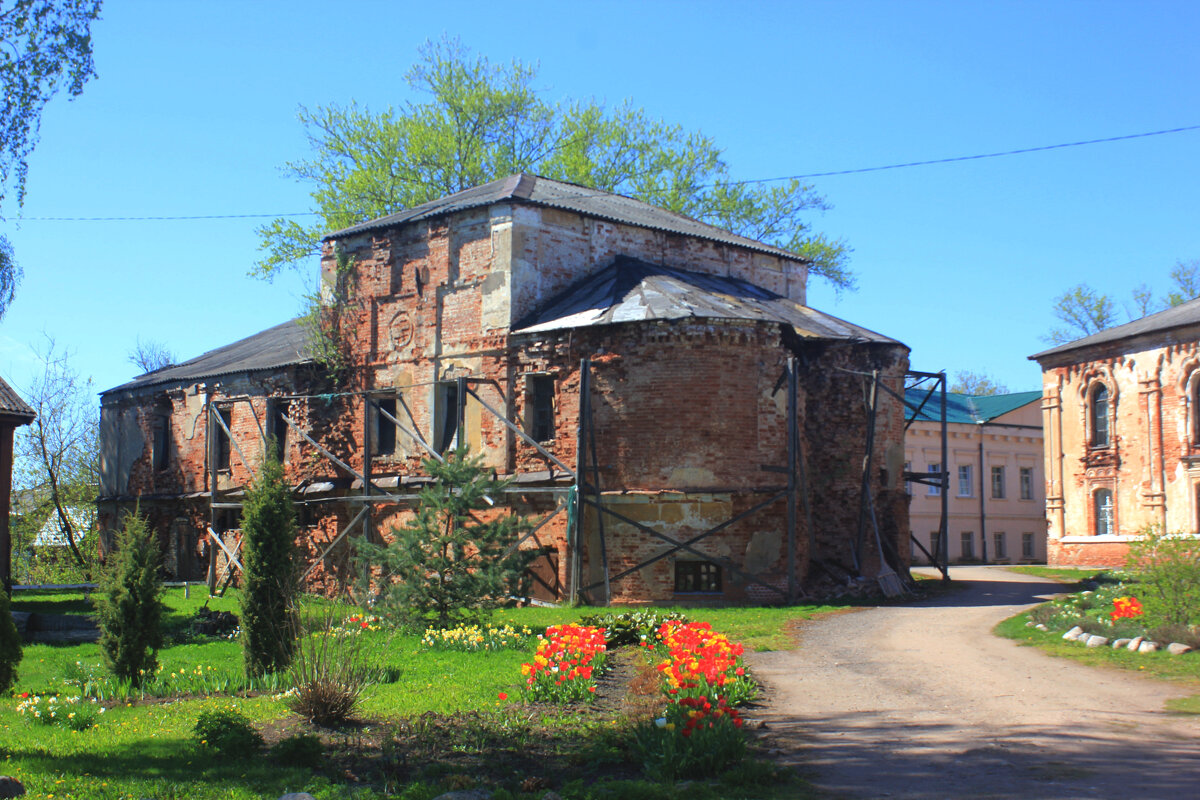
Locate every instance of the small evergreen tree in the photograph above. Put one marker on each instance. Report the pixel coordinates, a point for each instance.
(447, 568)
(129, 606)
(269, 583)
(10, 645)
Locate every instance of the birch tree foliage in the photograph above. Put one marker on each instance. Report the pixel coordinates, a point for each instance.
(480, 121)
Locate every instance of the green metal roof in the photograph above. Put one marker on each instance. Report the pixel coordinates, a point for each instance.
(965, 408)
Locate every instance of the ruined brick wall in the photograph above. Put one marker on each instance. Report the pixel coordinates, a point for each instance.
(1152, 462)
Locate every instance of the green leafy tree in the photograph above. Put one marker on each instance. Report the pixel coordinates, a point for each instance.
(269, 583)
(45, 46)
(10, 645)
(1082, 311)
(976, 384)
(448, 567)
(1185, 276)
(129, 604)
(483, 121)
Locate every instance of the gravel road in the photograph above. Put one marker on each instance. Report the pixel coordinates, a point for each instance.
(922, 701)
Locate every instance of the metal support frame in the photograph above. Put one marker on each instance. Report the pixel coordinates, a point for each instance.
(917, 380)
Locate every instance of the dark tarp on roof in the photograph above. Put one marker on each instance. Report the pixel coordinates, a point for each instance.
(281, 346)
(11, 404)
(1181, 315)
(630, 290)
(540, 191)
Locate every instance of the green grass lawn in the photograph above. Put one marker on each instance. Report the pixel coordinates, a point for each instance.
(145, 749)
(1072, 575)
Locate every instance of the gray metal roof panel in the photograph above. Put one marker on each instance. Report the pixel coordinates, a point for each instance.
(1181, 315)
(547, 192)
(280, 346)
(11, 404)
(630, 290)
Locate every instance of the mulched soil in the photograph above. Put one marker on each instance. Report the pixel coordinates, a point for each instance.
(524, 746)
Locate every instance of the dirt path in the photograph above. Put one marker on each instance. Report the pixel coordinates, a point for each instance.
(923, 701)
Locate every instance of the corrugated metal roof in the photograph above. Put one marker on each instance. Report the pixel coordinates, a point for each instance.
(630, 290)
(965, 408)
(1181, 315)
(11, 404)
(280, 346)
(539, 191)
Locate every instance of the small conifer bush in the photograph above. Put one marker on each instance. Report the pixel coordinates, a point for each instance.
(129, 606)
(10, 645)
(448, 567)
(269, 584)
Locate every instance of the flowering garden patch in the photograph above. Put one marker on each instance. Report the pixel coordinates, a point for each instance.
(1125, 608)
(474, 638)
(566, 663)
(699, 662)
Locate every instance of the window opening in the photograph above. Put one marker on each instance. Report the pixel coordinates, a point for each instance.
(935, 470)
(220, 439)
(446, 429)
(965, 484)
(1100, 416)
(1026, 483)
(999, 545)
(384, 439)
(277, 428)
(967, 539)
(161, 443)
(539, 407)
(998, 483)
(1103, 501)
(697, 576)
(1027, 546)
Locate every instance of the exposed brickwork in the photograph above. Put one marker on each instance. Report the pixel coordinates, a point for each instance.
(686, 413)
(1151, 464)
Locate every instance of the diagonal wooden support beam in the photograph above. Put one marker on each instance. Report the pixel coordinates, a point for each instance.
(724, 562)
(228, 553)
(351, 526)
(533, 531)
(329, 455)
(517, 430)
(214, 414)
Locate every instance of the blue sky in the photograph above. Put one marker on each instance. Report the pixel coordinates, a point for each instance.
(194, 111)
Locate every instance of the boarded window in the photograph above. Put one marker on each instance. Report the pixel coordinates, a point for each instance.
(697, 576)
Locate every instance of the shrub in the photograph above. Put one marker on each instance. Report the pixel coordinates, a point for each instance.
(10, 645)
(1168, 567)
(448, 568)
(227, 732)
(269, 583)
(303, 750)
(129, 605)
(631, 627)
(328, 675)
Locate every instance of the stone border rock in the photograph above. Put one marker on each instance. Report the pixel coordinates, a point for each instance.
(1138, 644)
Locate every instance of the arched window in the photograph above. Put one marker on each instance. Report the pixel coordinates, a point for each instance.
(1099, 413)
(1194, 407)
(1102, 501)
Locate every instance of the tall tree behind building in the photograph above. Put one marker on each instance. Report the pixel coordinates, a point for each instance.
(485, 121)
(1082, 310)
(58, 455)
(45, 47)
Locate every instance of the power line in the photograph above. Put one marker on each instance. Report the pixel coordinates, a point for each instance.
(801, 176)
(974, 157)
(165, 218)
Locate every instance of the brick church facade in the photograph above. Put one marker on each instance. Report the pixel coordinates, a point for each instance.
(1121, 414)
(680, 424)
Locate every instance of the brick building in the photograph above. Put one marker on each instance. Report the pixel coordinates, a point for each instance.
(721, 422)
(1121, 411)
(995, 503)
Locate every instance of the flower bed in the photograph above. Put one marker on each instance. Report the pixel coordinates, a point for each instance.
(565, 666)
(475, 638)
(76, 713)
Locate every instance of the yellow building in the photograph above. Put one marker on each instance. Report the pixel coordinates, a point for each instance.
(993, 481)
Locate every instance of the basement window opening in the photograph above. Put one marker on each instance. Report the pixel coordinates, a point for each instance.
(697, 577)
